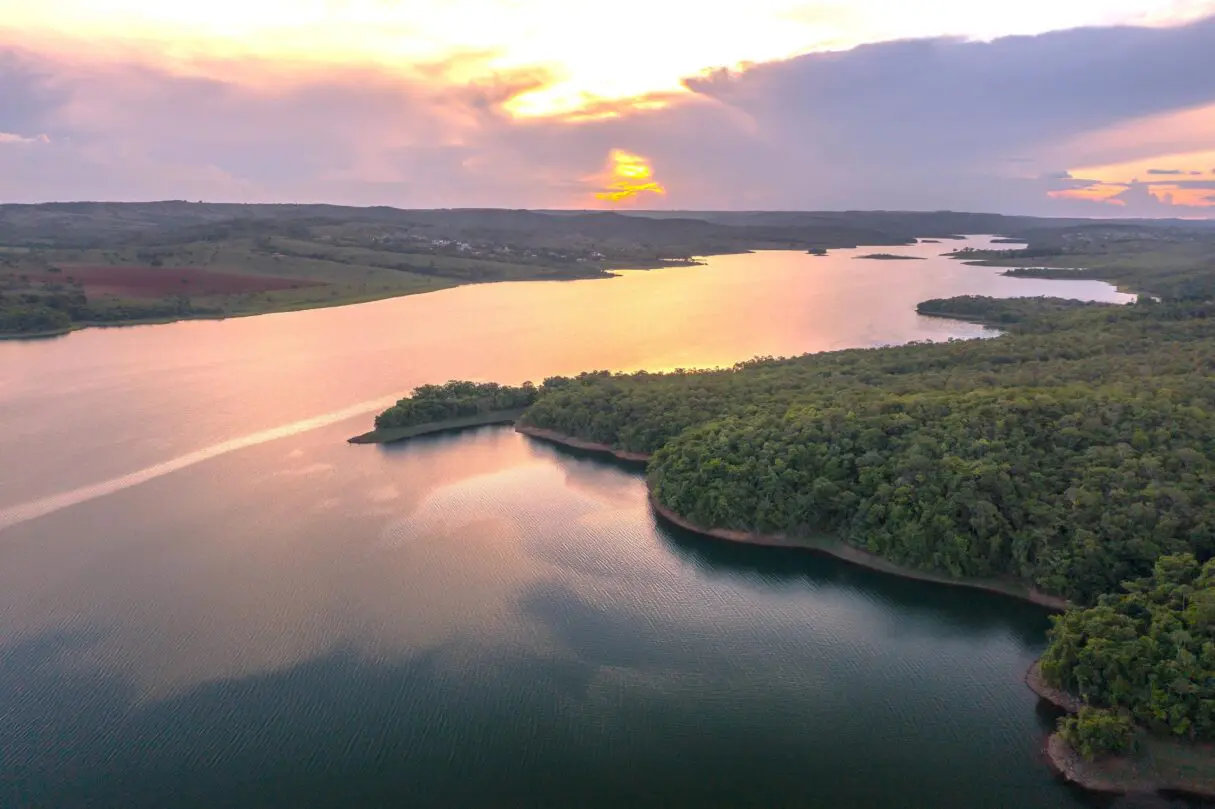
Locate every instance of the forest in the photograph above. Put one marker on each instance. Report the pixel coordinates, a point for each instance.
(54, 311)
(455, 399)
(1069, 454)
(1073, 454)
(1000, 312)
(1146, 654)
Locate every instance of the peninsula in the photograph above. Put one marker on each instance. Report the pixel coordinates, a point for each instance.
(1134, 676)
(1063, 462)
(454, 406)
(950, 459)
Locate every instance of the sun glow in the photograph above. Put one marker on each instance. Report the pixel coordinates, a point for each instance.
(1095, 193)
(592, 52)
(1160, 169)
(628, 176)
(1182, 179)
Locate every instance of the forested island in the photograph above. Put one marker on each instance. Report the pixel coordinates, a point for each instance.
(890, 257)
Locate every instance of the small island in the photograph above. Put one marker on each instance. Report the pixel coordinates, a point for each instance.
(1136, 676)
(890, 257)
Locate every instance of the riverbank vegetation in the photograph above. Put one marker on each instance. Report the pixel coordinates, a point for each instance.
(1072, 455)
(429, 404)
(1145, 655)
(486, 418)
(1166, 260)
(1142, 664)
(459, 404)
(55, 308)
(1068, 455)
(1002, 312)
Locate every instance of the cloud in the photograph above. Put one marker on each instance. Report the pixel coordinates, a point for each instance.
(929, 123)
(1166, 172)
(10, 138)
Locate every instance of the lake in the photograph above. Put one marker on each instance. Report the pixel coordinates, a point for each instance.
(208, 598)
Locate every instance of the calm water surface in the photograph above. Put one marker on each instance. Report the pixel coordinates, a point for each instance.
(208, 599)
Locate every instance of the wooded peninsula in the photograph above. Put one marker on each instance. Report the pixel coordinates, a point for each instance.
(1071, 457)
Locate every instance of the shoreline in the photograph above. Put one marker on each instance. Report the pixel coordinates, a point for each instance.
(831, 547)
(605, 271)
(1121, 775)
(391, 435)
(977, 321)
(844, 552)
(564, 440)
(1055, 696)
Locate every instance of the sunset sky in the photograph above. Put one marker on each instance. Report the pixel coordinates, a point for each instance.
(1065, 107)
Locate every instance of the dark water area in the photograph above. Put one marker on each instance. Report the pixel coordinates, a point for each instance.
(208, 598)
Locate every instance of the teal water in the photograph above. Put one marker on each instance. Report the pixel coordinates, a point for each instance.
(208, 598)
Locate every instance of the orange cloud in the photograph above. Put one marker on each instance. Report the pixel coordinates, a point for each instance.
(1181, 195)
(1092, 193)
(628, 176)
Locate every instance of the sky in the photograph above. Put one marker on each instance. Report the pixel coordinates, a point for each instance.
(1049, 107)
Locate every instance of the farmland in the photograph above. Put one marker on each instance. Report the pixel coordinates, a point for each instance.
(69, 265)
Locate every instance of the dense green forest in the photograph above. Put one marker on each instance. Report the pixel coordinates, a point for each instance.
(1146, 654)
(56, 310)
(1073, 454)
(458, 398)
(1001, 312)
(1069, 454)
(434, 403)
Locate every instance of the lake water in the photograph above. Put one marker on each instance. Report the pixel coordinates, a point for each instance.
(208, 598)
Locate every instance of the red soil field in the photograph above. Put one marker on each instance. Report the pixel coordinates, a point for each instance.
(158, 282)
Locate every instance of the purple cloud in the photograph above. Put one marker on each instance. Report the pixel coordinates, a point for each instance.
(936, 123)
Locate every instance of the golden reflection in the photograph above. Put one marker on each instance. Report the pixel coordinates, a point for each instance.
(629, 176)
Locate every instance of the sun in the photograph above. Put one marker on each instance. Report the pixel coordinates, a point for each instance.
(628, 176)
